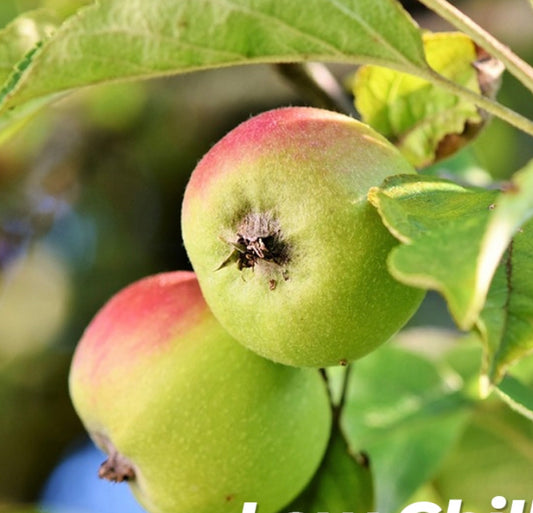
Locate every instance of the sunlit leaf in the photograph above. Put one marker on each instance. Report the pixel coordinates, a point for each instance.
(441, 225)
(406, 415)
(21, 36)
(19, 42)
(454, 239)
(65, 8)
(117, 40)
(15, 119)
(426, 122)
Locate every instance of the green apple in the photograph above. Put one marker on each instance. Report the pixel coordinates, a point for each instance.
(190, 418)
(290, 256)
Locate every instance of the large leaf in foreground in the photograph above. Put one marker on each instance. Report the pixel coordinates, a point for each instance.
(18, 42)
(441, 225)
(406, 415)
(454, 238)
(116, 40)
(21, 36)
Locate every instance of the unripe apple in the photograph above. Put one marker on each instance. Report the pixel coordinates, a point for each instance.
(190, 418)
(290, 256)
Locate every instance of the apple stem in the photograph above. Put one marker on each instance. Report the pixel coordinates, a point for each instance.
(344, 392)
(337, 405)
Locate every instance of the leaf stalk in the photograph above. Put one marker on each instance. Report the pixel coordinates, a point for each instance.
(491, 106)
(514, 64)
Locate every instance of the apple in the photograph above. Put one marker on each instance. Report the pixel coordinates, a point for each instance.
(290, 256)
(190, 418)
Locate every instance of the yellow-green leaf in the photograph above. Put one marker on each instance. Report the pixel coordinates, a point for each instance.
(21, 36)
(426, 122)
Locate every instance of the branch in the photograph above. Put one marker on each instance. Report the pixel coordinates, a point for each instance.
(491, 106)
(514, 64)
(317, 85)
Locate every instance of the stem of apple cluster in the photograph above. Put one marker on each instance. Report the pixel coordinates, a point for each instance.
(317, 84)
(344, 390)
(514, 64)
(337, 406)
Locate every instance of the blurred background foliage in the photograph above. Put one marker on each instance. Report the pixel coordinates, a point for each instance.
(90, 195)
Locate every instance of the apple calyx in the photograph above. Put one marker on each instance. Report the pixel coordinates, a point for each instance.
(116, 468)
(259, 242)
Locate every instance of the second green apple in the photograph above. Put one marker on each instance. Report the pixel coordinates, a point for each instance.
(290, 255)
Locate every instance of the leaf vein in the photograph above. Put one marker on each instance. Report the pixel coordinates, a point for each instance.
(285, 25)
(179, 42)
(376, 35)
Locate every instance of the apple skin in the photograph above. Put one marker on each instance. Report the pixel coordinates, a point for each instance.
(328, 298)
(201, 423)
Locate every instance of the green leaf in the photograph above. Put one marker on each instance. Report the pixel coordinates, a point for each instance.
(513, 208)
(506, 322)
(117, 40)
(426, 122)
(454, 238)
(494, 456)
(15, 119)
(19, 42)
(343, 482)
(65, 8)
(441, 225)
(21, 36)
(406, 415)
(517, 395)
